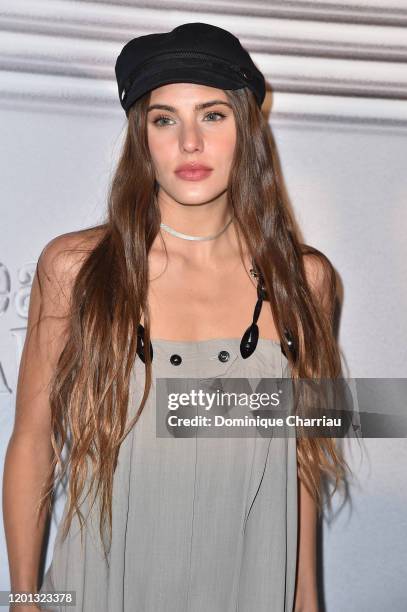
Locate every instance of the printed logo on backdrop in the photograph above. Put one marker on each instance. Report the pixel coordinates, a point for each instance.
(14, 303)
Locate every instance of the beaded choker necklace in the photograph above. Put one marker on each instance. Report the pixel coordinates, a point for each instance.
(174, 232)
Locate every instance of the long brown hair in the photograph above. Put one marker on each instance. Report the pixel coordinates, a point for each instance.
(90, 388)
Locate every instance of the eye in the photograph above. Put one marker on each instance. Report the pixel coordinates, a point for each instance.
(163, 118)
(216, 113)
(160, 118)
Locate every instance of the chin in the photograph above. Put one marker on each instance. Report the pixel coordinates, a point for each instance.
(198, 200)
(196, 195)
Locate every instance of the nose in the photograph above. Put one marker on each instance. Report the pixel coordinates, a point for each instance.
(190, 138)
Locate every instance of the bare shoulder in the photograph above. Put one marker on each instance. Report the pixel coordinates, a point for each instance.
(62, 256)
(61, 259)
(320, 275)
(318, 269)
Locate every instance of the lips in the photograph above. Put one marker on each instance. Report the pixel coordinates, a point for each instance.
(193, 172)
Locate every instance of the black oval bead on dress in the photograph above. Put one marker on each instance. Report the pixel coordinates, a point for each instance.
(291, 345)
(175, 359)
(223, 356)
(141, 345)
(249, 341)
(250, 338)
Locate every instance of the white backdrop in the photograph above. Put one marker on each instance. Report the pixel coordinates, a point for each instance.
(339, 117)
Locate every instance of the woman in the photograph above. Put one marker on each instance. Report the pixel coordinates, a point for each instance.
(197, 272)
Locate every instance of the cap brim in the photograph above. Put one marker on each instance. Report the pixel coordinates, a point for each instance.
(180, 75)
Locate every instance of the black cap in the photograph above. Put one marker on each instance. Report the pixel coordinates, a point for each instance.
(191, 53)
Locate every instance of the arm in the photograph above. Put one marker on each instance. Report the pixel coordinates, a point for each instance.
(29, 451)
(306, 597)
(321, 279)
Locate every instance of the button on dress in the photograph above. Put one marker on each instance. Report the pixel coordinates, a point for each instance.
(200, 524)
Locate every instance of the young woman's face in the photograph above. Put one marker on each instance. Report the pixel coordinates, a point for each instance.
(191, 124)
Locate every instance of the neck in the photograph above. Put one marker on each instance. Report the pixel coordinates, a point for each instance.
(195, 219)
(200, 220)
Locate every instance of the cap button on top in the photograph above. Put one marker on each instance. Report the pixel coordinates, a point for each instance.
(175, 359)
(223, 356)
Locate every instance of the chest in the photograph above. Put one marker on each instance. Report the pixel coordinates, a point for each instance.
(196, 304)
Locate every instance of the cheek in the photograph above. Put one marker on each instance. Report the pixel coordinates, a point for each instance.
(159, 150)
(231, 144)
(224, 149)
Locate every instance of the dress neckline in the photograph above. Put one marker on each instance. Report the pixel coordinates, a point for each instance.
(232, 340)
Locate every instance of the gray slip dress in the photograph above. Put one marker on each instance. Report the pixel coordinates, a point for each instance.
(199, 524)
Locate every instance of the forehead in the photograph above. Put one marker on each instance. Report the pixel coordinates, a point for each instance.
(186, 93)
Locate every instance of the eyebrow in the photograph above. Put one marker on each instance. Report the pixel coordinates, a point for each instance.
(172, 109)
